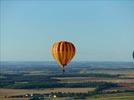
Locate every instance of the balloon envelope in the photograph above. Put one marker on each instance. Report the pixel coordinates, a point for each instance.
(133, 54)
(63, 52)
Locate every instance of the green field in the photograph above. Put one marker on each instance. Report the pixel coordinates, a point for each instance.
(80, 83)
(117, 96)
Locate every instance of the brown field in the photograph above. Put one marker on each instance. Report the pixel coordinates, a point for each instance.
(93, 79)
(13, 92)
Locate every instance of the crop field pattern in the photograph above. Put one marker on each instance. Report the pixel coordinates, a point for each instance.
(41, 82)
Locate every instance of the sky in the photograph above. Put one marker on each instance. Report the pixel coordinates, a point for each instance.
(101, 30)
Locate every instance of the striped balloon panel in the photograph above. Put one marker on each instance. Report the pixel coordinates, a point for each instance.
(63, 52)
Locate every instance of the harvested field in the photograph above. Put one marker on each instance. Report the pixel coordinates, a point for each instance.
(13, 92)
(93, 79)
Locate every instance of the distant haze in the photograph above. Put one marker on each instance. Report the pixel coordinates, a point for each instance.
(101, 30)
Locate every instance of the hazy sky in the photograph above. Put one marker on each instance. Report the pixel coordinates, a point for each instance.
(100, 30)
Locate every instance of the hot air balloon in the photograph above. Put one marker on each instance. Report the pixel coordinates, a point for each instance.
(63, 52)
(133, 54)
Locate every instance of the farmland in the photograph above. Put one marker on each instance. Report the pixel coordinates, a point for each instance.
(27, 81)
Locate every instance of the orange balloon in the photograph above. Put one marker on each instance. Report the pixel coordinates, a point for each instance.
(63, 52)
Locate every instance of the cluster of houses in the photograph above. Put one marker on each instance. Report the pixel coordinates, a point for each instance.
(45, 95)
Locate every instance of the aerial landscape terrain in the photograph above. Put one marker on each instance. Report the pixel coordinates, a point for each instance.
(66, 49)
(82, 80)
